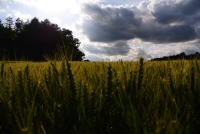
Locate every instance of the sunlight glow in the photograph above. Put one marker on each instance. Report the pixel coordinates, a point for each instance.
(52, 6)
(57, 6)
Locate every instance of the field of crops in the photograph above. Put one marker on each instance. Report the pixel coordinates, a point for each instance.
(100, 97)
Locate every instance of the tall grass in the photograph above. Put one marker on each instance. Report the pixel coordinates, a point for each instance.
(97, 97)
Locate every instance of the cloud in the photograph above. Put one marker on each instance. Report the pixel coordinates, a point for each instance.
(157, 22)
(2, 10)
(55, 6)
(141, 53)
(25, 2)
(56, 20)
(17, 14)
(165, 34)
(169, 11)
(22, 16)
(48, 5)
(94, 57)
(115, 48)
(107, 24)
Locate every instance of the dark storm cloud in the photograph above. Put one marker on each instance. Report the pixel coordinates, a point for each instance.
(115, 48)
(168, 11)
(167, 34)
(109, 24)
(190, 7)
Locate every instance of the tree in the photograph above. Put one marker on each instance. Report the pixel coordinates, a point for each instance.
(35, 39)
(19, 26)
(38, 39)
(71, 45)
(1, 24)
(9, 24)
(5, 39)
(1, 28)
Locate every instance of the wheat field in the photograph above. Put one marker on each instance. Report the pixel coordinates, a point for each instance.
(144, 97)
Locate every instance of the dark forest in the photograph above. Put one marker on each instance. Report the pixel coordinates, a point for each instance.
(37, 41)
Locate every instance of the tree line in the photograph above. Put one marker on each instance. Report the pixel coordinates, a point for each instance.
(37, 40)
(179, 56)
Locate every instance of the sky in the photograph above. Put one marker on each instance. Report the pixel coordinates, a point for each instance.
(111, 30)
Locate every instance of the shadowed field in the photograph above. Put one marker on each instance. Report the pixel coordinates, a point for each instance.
(100, 97)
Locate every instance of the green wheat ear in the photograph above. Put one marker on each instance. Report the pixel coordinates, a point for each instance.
(2, 69)
(197, 65)
(171, 83)
(140, 75)
(192, 83)
(109, 82)
(71, 79)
